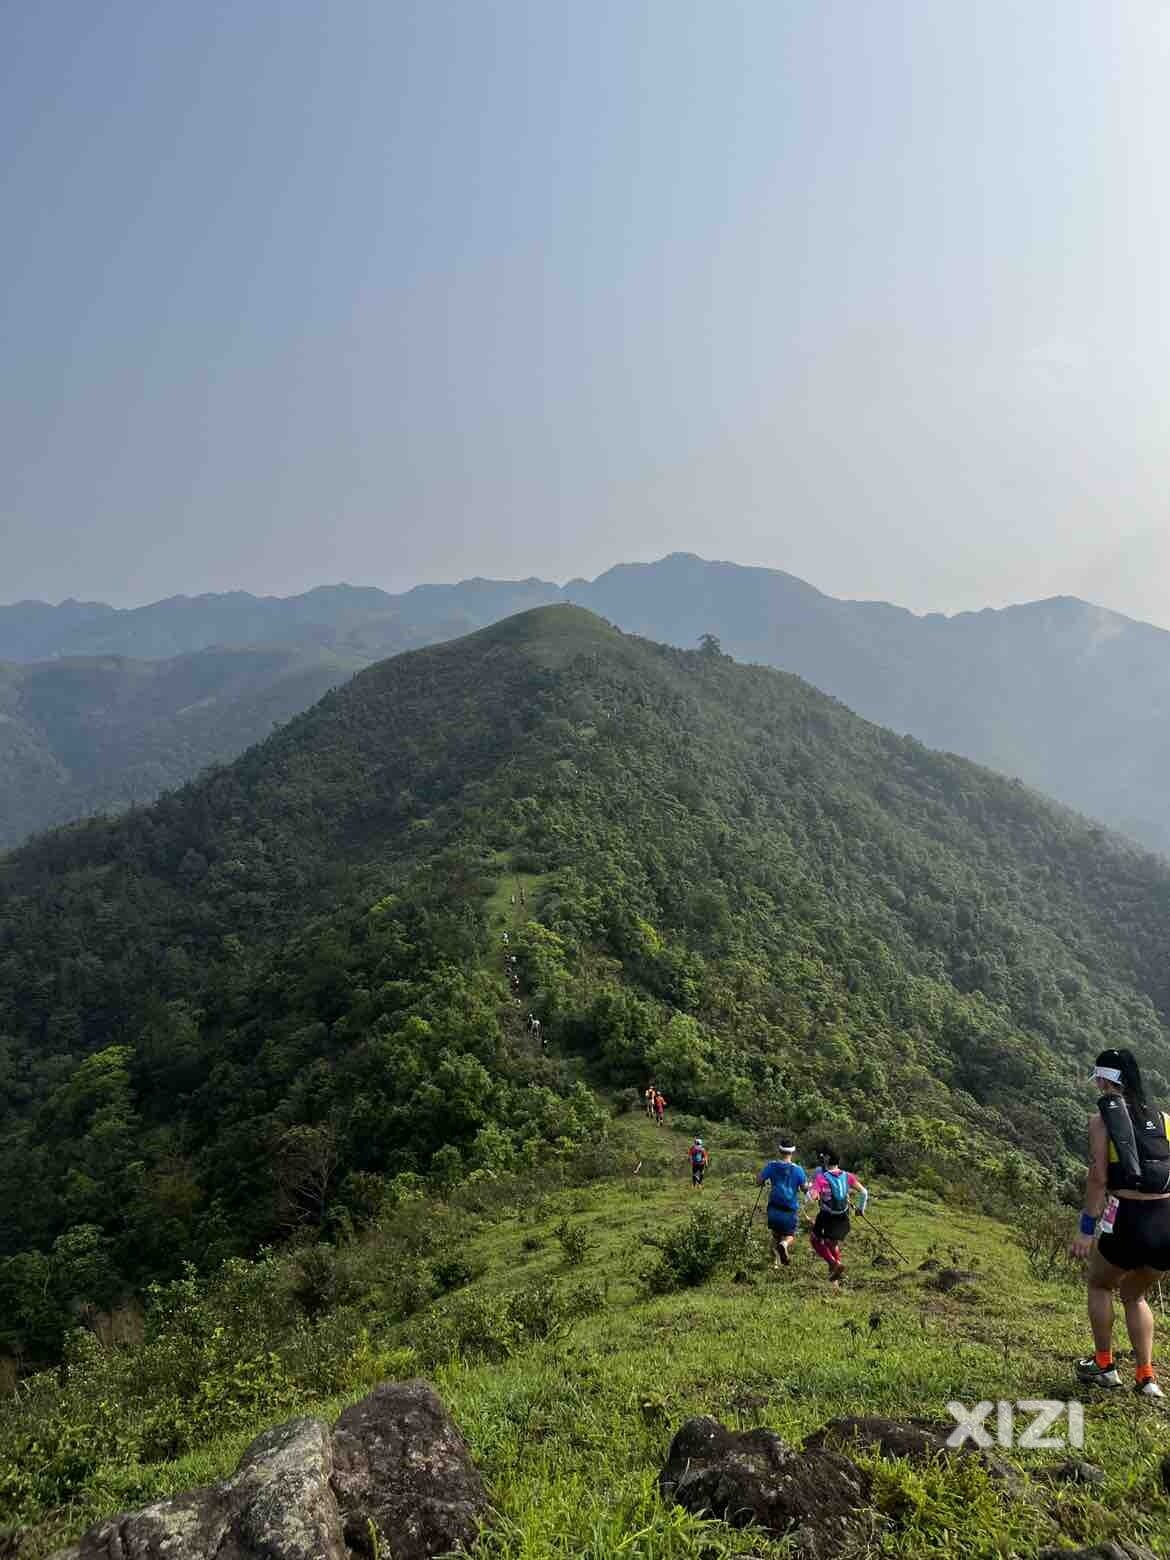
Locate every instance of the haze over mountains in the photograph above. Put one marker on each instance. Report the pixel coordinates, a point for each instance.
(1070, 697)
(97, 733)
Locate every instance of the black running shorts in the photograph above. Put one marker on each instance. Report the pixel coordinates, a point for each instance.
(831, 1227)
(1141, 1235)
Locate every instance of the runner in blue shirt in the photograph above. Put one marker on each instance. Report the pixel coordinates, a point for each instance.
(787, 1180)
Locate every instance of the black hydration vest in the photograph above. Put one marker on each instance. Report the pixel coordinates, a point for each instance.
(1139, 1146)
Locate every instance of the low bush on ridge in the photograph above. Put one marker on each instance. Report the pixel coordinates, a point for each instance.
(690, 1254)
(495, 1326)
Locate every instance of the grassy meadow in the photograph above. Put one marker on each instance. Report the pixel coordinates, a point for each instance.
(571, 1431)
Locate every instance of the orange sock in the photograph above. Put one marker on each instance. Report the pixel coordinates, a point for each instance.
(1104, 1359)
(1144, 1373)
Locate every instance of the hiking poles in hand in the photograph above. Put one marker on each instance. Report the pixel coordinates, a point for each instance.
(881, 1234)
(747, 1229)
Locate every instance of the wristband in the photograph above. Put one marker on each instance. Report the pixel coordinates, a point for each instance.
(1088, 1224)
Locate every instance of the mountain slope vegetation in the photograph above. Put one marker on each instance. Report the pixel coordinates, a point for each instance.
(97, 734)
(243, 1013)
(136, 701)
(1073, 699)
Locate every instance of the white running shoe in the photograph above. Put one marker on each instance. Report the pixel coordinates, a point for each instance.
(1148, 1389)
(1092, 1375)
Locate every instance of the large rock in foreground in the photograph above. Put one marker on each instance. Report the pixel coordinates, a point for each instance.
(278, 1503)
(395, 1479)
(755, 1477)
(400, 1464)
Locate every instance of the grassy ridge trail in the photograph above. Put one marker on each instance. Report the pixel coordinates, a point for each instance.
(572, 1436)
(572, 1431)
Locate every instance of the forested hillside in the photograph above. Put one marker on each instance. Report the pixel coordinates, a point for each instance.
(103, 708)
(1066, 695)
(84, 735)
(243, 1011)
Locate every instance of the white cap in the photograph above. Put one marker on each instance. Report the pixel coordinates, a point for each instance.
(1109, 1074)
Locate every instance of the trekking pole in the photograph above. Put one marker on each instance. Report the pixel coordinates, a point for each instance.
(882, 1234)
(747, 1229)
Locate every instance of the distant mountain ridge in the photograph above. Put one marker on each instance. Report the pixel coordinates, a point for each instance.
(1070, 697)
(92, 734)
(361, 618)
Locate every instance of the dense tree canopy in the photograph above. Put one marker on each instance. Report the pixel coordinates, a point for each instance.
(244, 1011)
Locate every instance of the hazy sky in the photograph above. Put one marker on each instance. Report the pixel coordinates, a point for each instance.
(400, 290)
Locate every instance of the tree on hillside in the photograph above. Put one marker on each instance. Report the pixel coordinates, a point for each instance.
(710, 645)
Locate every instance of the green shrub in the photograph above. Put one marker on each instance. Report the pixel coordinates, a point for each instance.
(1043, 1232)
(321, 1281)
(694, 1252)
(493, 1327)
(574, 1239)
(453, 1272)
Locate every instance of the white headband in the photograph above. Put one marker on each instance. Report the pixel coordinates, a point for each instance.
(1110, 1074)
(786, 1148)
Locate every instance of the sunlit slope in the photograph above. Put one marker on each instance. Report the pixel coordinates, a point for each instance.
(570, 1430)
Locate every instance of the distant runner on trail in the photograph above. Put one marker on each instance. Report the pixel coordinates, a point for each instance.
(1127, 1209)
(659, 1107)
(787, 1180)
(700, 1159)
(831, 1187)
(650, 1096)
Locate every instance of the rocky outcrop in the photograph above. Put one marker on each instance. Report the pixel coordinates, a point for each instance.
(278, 1502)
(818, 1495)
(401, 1468)
(394, 1479)
(1110, 1551)
(916, 1440)
(753, 1477)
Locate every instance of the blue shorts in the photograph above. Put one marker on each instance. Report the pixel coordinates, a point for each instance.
(783, 1220)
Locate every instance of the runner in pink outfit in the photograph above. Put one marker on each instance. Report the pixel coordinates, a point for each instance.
(832, 1187)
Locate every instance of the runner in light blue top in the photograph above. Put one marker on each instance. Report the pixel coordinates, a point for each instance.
(787, 1181)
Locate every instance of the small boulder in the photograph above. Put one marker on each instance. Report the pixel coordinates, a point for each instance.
(753, 1477)
(917, 1440)
(1109, 1551)
(278, 1505)
(402, 1469)
(1072, 1472)
(947, 1279)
